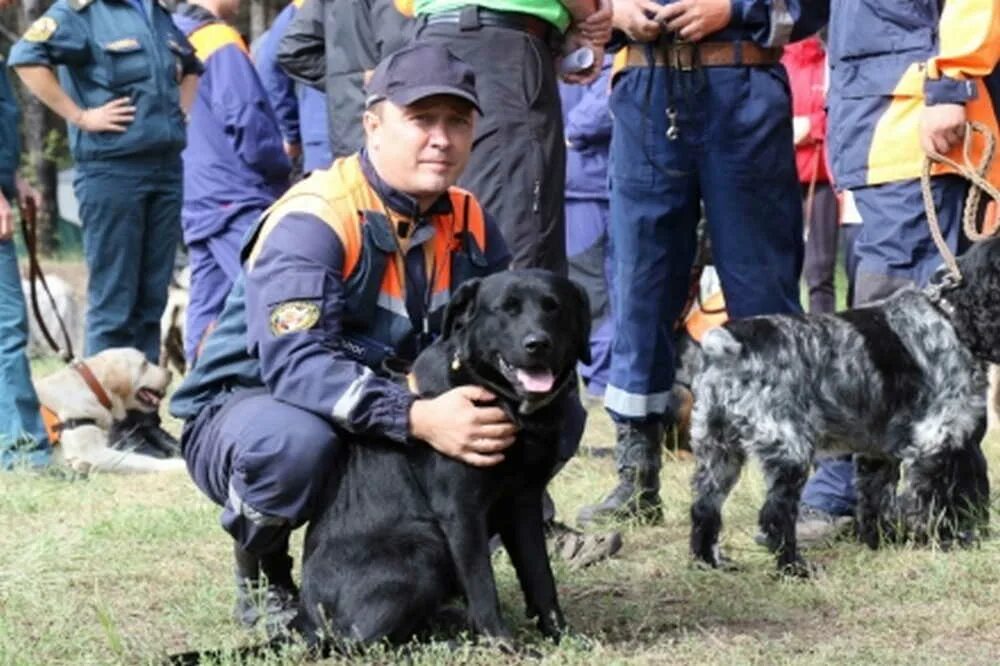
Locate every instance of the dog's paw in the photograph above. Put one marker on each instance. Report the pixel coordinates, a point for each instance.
(552, 624)
(798, 569)
(718, 561)
(80, 466)
(965, 540)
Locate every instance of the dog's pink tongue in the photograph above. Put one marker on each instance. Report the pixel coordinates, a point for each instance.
(536, 381)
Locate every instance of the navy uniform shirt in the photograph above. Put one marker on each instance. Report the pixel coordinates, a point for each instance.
(106, 49)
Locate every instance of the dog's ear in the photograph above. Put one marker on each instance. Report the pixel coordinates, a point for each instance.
(976, 301)
(581, 314)
(460, 308)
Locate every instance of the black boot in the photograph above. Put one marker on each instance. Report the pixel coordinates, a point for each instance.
(281, 599)
(129, 434)
(156, 436)
(637, 495)
(249, 597)
(265, 589)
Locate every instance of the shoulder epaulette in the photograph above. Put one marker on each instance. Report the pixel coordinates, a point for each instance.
(210, 37)
(79, 5)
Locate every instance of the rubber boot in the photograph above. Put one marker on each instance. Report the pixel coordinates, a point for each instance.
(637, 495)
(249, 597)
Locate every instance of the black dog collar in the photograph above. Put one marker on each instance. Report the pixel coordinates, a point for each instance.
(935, 294)
(524, 407)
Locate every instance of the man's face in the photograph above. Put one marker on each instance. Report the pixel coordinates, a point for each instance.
(423, 148)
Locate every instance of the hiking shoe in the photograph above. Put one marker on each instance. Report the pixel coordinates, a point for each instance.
(579, 549)
(156, 436)
(129, 435)
(815, 528)
(281, 605)
(249, 602)
(275, 605)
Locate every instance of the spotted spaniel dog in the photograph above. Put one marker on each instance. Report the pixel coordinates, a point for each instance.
(901, 384)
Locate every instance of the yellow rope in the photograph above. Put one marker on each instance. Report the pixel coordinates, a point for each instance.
(979, 184)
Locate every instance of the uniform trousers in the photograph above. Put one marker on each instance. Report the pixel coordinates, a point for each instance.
(131, 213)
(20, 422)
(266, 462)
(734, 152)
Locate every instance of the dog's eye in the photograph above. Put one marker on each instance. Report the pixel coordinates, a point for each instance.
(548, 304)
(511, 306)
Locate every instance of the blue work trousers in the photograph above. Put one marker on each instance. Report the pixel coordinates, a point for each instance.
(215, 264)
(131, 213)
(266, 462)
(22, 437)
(894, 249)
(734, 152)
(588, 249)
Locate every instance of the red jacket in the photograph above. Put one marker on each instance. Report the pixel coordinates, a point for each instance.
(806, 65)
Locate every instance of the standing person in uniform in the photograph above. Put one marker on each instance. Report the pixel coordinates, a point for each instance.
(22, 436)
(341, 280)
(235, 164)
(701, 113)
(127, 77)
(904, 79)
(588, 245)
(333, 46)
(301, 109)
(518, 165)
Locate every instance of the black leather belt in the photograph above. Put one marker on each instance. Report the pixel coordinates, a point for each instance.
(473, 17)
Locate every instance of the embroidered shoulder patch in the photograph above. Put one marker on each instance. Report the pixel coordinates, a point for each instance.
(293, 316)
(41, 29)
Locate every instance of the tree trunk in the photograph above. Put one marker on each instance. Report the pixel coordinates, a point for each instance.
(38, 122)
(258, 19)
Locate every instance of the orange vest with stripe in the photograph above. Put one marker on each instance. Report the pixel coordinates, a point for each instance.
(373, 271)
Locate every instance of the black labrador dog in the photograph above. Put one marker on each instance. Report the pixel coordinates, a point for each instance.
(403, 530)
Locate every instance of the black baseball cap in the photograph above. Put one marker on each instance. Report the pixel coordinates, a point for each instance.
(421, 70)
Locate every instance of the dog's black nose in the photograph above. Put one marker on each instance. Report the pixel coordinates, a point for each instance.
(537, 343)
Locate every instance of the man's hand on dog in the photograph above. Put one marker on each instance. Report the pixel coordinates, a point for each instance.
(456, 426)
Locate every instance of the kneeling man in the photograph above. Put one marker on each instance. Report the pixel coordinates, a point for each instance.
(344, 279)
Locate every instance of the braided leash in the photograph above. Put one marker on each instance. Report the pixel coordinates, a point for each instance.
(977, 176)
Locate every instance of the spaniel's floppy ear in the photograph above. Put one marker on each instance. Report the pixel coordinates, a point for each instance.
(581, 313)
(461, 308)
(976, 300)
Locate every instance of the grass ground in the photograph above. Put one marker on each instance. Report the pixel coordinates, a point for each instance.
(118, 570)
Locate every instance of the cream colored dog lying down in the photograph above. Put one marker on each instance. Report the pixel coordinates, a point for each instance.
(125, 380)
